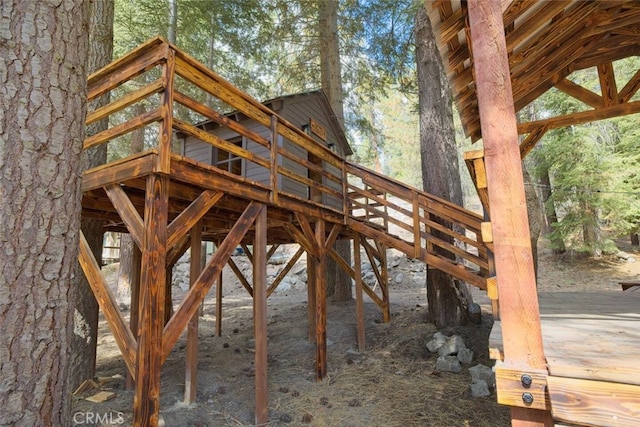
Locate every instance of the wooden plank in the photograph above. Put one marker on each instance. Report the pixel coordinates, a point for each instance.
(612, 111)
(220, 143)
(357, 265)
(127, 212)
(181, 225)
(136, 62)
(510, 388)
(630, 88)
(121, 332)
(309, 234)
(166, 126)
(519, 304)
(321, 302)
(126, 127)
(283, 273)
(311, 295)
(531, 140)
(219, 305)
(608, 84)
(222, 120)
(240, 276)
(194, 72)
(273, 173)
(136, 166)
(134, 313)
(125, 101)
(198, 292)
(146, 403)
(598, 403)
(260, 316)
(417, 241)
(580, 93)
(191, 369)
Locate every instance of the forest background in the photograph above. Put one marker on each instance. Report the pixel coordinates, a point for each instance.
(587, 177)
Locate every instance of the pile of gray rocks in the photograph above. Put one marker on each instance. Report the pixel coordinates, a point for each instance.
(453, 354)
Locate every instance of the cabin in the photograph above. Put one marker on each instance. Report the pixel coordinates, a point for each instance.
(308, 111)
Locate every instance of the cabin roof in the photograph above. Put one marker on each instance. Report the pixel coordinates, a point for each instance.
(326, 107)
(546, 42)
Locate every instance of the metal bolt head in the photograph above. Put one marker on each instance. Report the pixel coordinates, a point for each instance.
(527, 398)
(526, 380)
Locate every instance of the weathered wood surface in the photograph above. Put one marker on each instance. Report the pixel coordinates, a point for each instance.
(587, 335)
(545, 42)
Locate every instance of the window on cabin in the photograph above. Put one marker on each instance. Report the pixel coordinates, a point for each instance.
(228, 161)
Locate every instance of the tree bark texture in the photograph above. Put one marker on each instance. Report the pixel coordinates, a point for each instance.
(338, 281)
(85, 336)
(43, 51)
(448, 299)
(535, 216)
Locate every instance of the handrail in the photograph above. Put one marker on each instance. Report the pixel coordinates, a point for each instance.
(288, 163)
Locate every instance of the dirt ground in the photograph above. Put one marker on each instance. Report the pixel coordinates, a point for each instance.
(392, 383)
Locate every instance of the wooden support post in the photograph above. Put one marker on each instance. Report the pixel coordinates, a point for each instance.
(321, 303)
(195, 268)
(311, 295)
(168, 299)
(166, 129)
(146, 403)
(219, 306)
(260, 313)
(134, 312)
(384, 282)
(357, 266)
(519, 312)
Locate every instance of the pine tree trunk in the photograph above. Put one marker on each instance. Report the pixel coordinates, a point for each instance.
(447, 298)
(43, 52)
(635, 241)
(338, 281)
(557, 244)
(535, 216)
(83, 356)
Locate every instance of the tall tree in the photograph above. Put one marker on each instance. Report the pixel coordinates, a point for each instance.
(448, 299)
(43, 52)
(338, 281)
(85, 335)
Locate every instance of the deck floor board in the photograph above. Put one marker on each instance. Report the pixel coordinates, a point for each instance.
(593, 336)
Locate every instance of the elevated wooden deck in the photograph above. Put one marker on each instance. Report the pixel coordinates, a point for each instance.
(591, 344)
(169, 203)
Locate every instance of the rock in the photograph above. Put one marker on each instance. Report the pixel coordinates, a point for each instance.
(480, 388)
(448, 364)
(399, 278)
(484, 373)
(299, 269)
(417, 267)
(453, 345)
(394, 262)
(631, 259)
(436, 342)
(465, 356)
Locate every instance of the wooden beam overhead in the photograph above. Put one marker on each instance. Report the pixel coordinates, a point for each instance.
(580, 93)
(612, 111)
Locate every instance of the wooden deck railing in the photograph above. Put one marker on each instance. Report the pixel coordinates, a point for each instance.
(179, 98)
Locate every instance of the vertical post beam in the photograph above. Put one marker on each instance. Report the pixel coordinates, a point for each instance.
(519, 311)
(166, 126)
(357, 269)
(219, 306)
(321, 302)
(311, 295)
(195, 268)
(260, 316)
(136, 256)
(154, 253)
